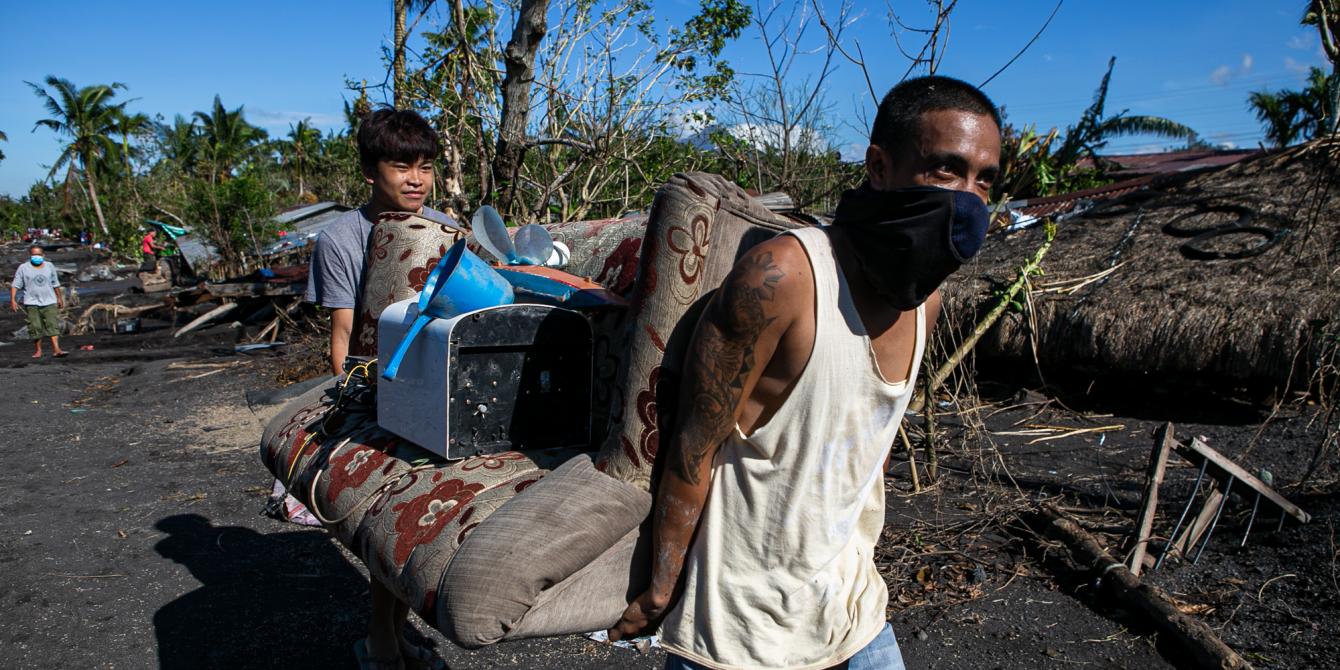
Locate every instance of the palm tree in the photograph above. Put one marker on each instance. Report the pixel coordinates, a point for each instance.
(303, 145)
(400, 10)
(227, 139)
(1324, 15)
(1086, 138)
(1290, 115)
(128, 125)
(180, 142)
(1277, 112)
(88, 119)
(3, 138)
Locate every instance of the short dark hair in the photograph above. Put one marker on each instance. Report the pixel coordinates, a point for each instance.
(898, 121)
(395, 135)
(35, 246)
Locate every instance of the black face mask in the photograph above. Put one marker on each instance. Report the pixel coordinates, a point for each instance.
(908, 241)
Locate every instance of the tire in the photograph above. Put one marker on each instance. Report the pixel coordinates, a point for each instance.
(1191, 250)
(1245, 216)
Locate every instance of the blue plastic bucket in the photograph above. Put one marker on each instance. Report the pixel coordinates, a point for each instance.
(462, 282)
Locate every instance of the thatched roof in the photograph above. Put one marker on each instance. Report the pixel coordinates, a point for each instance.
(1168, 309)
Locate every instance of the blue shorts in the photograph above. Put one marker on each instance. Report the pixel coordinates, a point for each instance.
(881, 654)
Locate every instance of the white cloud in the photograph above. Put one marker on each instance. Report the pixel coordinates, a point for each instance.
(1301, 42)
(1294, 66)
(1224, 73)
(854, 152)
(691, 122)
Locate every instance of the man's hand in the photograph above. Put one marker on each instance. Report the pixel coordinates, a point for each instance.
(14, 305)
(644, 612)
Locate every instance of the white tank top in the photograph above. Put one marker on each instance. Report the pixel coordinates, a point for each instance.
(782, 572)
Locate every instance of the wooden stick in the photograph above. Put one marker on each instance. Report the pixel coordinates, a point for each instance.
(932, 462)
(1190, 535)
(1198, 639)
(1158, 464)
(273, 325)
(1199, 451)
(911, 459)
(1079, 431)
(206, 318)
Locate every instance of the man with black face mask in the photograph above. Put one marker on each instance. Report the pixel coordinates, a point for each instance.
(771, 498)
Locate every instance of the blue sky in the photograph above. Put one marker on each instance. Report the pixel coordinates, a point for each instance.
(286, 61)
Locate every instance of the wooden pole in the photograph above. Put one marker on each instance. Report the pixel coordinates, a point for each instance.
(1158, 464)
(1198, 639)
(206, 318)
(911, 459)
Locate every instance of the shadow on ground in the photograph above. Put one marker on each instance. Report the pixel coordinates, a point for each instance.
(263, 601)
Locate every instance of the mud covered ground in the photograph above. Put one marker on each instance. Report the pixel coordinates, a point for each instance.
(130, 532)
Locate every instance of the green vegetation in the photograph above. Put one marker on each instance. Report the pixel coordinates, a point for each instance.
(581, 119)
(1290, 116)
(1031, 167)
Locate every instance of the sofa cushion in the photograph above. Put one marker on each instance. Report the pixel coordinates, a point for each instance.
(699, 225)
(563, 524)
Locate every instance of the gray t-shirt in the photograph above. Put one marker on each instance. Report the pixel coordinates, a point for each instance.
(38, 283)
(340, 255)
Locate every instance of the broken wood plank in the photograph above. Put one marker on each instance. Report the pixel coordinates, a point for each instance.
(1199, 451)
(1199, 640)
(1190, 535)
(273, 325)
(206, 318)
(1158, 465)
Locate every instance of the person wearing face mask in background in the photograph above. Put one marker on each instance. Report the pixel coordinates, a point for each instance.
(771, 498)
(42, 300)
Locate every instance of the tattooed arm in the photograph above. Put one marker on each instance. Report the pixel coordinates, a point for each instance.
(733, 343)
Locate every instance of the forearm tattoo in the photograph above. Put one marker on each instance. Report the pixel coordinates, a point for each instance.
(721, 357)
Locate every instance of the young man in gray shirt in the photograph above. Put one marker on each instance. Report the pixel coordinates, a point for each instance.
(42, 300)
(396, 149)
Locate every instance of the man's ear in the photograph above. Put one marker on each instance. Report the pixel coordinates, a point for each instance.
(368, 173)
(878, 167)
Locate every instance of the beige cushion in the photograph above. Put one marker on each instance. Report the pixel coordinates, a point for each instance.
(561, 526)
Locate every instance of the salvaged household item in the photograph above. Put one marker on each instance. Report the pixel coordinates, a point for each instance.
(530, 542)
(402, 252)
(1217, 475)
(503, 378)
(461, 282)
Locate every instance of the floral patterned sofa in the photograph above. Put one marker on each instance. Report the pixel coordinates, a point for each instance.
(537, 543)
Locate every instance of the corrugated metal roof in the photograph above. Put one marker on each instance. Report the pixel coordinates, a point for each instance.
(1060, 204)
(297, 214)
(1169, 162)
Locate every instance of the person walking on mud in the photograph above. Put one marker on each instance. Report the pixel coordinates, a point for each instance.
(42, 300)
(771, 498)
(396, 149)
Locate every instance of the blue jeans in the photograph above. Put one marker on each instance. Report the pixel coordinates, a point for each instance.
(881, 654)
